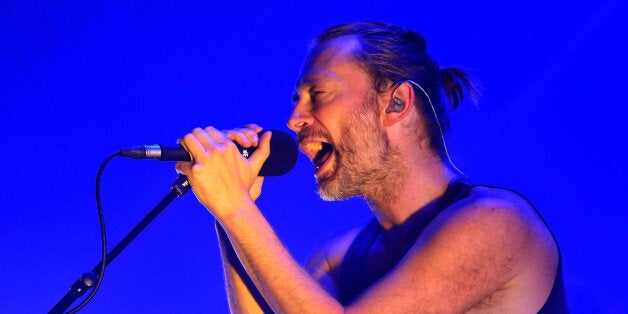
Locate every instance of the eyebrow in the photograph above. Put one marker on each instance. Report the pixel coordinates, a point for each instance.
(316, 77)
(312, 79)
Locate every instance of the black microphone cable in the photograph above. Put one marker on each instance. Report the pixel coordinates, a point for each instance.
(277, 164)
(103, 235)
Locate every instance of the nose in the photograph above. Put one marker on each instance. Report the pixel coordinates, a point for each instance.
(299, 119)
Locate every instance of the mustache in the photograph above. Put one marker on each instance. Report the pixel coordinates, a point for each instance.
(307, 133)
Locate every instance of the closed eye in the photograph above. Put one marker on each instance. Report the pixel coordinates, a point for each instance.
(314, 93)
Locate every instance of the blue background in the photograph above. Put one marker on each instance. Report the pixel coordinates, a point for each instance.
(81, 79)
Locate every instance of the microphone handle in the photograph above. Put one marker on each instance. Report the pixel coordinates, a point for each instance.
(179, 154)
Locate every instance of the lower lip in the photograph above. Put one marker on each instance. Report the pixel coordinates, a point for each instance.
(327, 164)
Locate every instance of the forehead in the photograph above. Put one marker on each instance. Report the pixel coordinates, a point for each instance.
(331, 61)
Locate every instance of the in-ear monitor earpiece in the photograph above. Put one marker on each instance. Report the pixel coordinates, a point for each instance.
(396, 105)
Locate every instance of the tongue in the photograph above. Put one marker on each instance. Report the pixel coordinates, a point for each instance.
(322, 155)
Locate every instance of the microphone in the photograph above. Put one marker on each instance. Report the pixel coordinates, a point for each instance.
(283, 153)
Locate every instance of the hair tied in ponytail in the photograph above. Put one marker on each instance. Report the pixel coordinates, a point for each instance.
(458, 84)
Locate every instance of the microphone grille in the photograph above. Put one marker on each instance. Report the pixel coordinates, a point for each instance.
(283, 154)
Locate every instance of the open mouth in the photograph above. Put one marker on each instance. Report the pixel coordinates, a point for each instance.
(321, 152)
(322, 155)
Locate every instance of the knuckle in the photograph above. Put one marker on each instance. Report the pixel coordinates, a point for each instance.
(250, 132)
(188, 137)
(266, 151)
(229, 147)
(196, 169)
(231, 134)
(253, 126)
(244, 139)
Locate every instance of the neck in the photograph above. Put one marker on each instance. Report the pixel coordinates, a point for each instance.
(425, 181)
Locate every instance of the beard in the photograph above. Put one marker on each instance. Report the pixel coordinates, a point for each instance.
(366, 163)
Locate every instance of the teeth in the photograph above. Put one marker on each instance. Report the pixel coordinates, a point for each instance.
(314, 146)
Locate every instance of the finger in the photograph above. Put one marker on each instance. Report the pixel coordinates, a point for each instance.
(256, 188)
(216, 135)
(256, 128)
(207, 140)
(239, 136)
(247, 134)
(193, 145)
(183, 167)
(251, 135)
(260, 155)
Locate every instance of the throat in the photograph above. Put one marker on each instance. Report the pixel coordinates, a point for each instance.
(419, 193)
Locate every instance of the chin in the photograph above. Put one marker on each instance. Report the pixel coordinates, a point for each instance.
(330, 189)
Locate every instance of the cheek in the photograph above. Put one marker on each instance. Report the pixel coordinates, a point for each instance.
(331, 116)
(358, 129)
(349, 114)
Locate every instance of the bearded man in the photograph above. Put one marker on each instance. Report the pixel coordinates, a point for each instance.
(370, 111)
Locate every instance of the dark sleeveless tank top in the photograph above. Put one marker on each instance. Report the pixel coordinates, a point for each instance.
(355, 279)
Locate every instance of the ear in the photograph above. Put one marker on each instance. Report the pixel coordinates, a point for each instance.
(401, 102)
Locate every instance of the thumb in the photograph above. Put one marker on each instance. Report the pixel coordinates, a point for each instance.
(262, 152)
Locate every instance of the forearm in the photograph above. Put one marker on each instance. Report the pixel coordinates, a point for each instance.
(242, 294)
(284, 283)
(223, 182)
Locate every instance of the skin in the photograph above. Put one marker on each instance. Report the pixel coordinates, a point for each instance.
(489, 252)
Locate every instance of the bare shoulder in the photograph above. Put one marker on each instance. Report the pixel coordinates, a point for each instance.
(488, 208)
(497, 217)
(502, 240)
(512, 215)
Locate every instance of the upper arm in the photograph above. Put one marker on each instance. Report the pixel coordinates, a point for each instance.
(470, 251)
(325, 261)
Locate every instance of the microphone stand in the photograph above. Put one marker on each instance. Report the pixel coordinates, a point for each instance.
(88, 279)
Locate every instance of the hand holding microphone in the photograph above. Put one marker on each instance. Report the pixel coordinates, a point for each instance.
(283, 150)
(219, 170)
(248, 137)
(210, 158)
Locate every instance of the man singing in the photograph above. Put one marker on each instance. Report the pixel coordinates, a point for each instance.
(370, 111)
